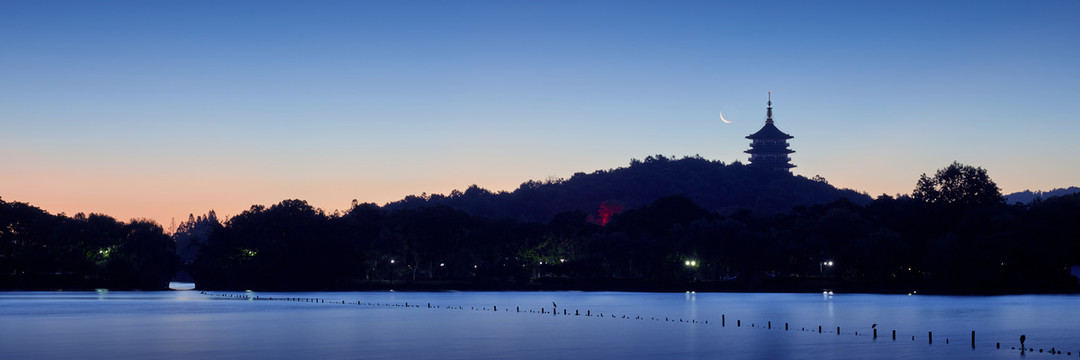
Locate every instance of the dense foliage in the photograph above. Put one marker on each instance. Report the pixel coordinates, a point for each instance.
(889, 244)
(955, 234)
(191, 234)
(713, 185)
(958, 185)
(43, 251)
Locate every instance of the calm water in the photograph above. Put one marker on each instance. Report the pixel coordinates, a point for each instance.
(187, 324)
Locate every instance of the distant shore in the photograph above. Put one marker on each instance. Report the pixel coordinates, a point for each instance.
(638, 286)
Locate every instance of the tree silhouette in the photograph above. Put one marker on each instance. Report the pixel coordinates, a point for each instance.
(954, 235)
(712, 185)
(39, 250)
(958, 185)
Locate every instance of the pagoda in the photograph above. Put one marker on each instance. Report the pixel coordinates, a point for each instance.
(769, 146)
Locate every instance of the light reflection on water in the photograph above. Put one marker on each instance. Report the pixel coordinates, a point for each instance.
(187, 324)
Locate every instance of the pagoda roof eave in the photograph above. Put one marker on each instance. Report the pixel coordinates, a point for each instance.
(769, 151)
(772, 165)
(769, 131)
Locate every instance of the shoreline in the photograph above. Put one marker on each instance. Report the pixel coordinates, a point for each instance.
(596, 286)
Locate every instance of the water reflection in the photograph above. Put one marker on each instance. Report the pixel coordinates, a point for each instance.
(187, 324)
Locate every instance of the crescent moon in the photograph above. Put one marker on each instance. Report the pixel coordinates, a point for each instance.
(722, 118)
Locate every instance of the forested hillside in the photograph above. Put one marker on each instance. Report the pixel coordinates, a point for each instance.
(712, 185)
(39, 250)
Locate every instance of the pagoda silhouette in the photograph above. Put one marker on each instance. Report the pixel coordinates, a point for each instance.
(769, 146)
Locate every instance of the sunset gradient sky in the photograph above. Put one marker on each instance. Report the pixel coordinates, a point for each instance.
(159, 109)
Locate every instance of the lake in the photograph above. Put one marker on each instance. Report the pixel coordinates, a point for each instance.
(488, 325)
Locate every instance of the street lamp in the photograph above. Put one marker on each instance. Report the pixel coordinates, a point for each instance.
(821, 267)
(691, 265)
(390, 276)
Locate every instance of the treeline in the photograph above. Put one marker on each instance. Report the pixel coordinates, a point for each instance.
(1028, 196)
(39, 250)
(713, 185)
(955, 235)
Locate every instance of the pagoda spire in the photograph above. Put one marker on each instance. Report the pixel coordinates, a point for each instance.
(768, 113)
(769, 146)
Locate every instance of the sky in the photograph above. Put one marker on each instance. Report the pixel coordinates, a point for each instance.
(160, 109)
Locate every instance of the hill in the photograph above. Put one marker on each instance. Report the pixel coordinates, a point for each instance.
(713, 185)
(1028, 196)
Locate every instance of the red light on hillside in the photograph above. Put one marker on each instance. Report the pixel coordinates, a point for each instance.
(607, 211)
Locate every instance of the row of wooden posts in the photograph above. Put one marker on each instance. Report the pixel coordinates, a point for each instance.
(588, 313)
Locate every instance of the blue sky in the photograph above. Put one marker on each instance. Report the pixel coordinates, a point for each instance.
(160, 109)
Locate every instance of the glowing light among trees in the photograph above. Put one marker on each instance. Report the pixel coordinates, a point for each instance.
(607, 211)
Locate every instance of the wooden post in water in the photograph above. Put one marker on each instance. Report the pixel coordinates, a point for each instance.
(723, 321)
(819, 329)
(894, 335)
(930, 337)
(785, 327)
(770, 325)
(875, 333)
(738, 323)
(837, 330)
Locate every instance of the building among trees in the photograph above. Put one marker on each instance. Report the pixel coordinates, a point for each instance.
(769, 146)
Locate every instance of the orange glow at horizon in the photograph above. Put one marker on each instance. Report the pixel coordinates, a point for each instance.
(162, 198)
